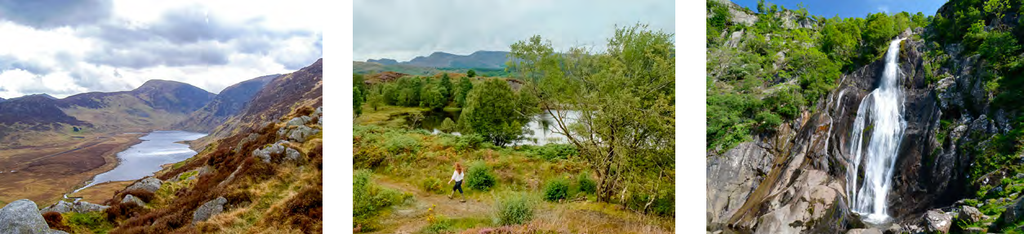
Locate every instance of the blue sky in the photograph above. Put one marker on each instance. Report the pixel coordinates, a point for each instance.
(853, 8)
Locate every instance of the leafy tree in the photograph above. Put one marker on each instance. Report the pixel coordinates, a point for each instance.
(357, 82)
(447, 126)
(357, 100)
(879, 30)
(491, 112)
(471, 73)
(622, 102)
(840, 40)
(462, 90)
(446, 84)
(375, 98)
(433, 98)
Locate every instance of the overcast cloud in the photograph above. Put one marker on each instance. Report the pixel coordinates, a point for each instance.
(402, 30)
(66, 47)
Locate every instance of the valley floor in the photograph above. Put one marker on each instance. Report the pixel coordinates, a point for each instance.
(44, 173)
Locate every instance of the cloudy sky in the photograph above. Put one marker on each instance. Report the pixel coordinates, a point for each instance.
(856, 8)
(65, 47)
(402, 30)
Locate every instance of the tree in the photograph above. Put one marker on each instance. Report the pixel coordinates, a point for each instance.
(447, 126)
(471, 73)
(491, 112)
(433, 98)
(375, 98)
(357, 82)
(616, 108)
(446, 84)
(462, 90)
(357, 100)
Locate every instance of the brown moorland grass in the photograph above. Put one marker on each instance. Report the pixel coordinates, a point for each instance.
(45, 174)
(255, 190)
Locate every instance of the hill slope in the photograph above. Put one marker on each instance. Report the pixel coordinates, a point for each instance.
(226, 104)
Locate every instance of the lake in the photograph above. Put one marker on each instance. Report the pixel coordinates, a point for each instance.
(541, 130)
(143, 159)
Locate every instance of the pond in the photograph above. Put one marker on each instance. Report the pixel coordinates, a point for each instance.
(143, 159)
(541, 130)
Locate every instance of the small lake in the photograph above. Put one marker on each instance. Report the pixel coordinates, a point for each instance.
(143, 159)
(541, 130)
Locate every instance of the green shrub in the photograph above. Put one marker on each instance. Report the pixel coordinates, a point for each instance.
(514, 210)
(93, 221)
(432, 185)
(587, 185)
(369, 199)
(441, 225)
(480, 177)
(556, 189)
(396, 142)
(468, 142)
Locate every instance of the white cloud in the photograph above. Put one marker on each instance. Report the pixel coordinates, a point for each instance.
(209, 44)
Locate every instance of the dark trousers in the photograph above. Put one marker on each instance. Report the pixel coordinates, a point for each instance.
(458, 186)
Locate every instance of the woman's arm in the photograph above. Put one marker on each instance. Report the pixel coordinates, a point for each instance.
(453, 178)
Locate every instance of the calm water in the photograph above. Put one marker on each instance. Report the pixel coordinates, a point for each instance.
(541, 130)
(143, 159)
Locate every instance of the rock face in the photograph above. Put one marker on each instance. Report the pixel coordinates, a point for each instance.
(79, 207)
(209, 209)
(795, 179)
(151, 184)
(23, 217)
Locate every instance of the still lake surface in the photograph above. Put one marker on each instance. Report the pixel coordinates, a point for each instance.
(541, 130)
(144, 159)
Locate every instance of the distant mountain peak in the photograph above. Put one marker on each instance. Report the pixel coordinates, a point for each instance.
(440, 59)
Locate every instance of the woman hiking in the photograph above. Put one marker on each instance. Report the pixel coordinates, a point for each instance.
(457, 177)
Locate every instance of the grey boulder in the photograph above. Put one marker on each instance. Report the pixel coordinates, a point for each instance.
(23, 217)
(209, 209)
(151, 184)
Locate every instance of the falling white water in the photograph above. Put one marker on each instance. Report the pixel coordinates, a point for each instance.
(881, 114)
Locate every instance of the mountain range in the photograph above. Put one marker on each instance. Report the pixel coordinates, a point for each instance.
(479, 59)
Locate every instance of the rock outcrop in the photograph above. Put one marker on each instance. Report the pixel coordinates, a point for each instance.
(151, 184)
(23, 217)
(209, 209)
(132, 199)
(78, 207)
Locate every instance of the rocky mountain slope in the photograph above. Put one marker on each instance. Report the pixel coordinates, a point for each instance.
(226, 104)
(278, 97)
(951, 174)
(264, 173)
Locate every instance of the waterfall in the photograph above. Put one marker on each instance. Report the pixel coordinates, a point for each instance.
(880, 114)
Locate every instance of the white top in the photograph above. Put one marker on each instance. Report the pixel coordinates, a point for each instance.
(457, 176)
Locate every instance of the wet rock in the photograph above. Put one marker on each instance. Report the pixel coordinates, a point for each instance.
(969, 214)
(151, 184)
(936, 221)
(132, 199)
(209, 209)
(23, 217)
